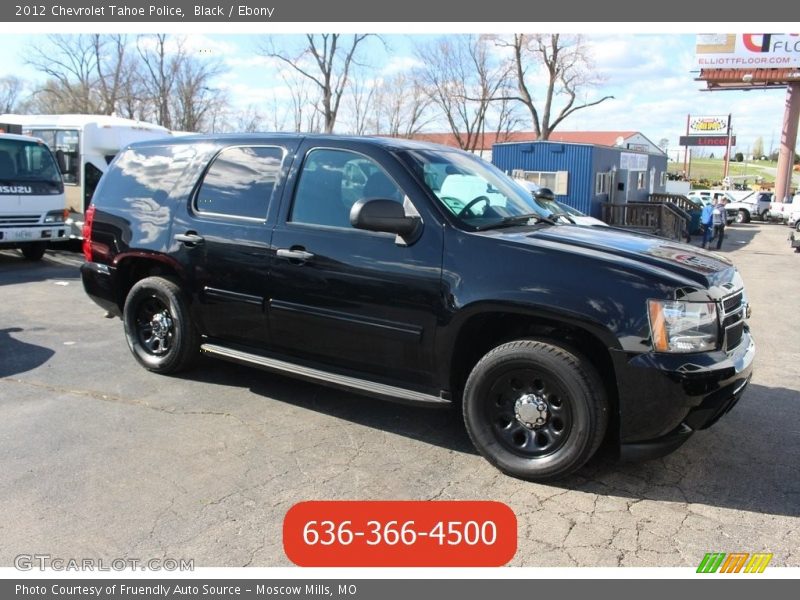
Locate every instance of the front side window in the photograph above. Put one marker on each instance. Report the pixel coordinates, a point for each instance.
(332, 181)
(472, 190)
(240, 182)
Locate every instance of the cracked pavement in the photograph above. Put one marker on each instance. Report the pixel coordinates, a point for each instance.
(103, 459)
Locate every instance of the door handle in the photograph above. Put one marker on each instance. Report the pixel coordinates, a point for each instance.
(189, 238)
(294, 254)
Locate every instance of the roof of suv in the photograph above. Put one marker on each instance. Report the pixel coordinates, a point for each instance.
(227, 138)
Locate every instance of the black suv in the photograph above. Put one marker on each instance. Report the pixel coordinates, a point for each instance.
(418, 273)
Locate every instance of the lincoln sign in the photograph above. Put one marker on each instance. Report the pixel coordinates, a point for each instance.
(706, 140)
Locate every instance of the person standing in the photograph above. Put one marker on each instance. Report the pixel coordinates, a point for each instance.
(719, 217)
(707, 221)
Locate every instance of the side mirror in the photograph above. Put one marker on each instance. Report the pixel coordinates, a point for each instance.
(386, 216)
(62, 163)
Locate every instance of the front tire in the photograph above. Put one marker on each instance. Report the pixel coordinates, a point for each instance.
(158, 326)
(33, 251)
(535, 410)
(742, 216)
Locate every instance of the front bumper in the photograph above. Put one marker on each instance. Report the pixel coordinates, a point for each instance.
(665, 397)
(34, 233)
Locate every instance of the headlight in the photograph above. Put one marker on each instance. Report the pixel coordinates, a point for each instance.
(56, 216)
(678, 326)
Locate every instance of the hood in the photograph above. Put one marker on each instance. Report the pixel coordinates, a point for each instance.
(689, 263)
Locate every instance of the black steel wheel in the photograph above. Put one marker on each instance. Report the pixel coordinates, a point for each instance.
(535, 410)
(158, 328)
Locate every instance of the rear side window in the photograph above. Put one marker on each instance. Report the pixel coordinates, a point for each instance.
(240, 182)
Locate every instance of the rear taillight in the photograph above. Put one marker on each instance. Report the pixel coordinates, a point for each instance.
(86, 232)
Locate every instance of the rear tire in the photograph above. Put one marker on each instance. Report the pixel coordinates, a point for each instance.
(535, 410)
(158, 326)
(34, 251)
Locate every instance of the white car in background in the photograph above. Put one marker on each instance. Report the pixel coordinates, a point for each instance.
(559, 209)
(782, 211)
(794, 218)
(703, 197)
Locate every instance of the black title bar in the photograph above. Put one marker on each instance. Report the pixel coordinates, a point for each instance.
(364, 11)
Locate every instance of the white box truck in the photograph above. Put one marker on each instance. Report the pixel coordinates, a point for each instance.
(32, 209)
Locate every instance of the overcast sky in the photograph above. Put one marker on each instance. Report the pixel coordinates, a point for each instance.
(651, 77)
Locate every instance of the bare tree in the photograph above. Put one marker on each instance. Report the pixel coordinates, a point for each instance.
(161, 66)
(507, 119)
(85, 74)
(115, 70)
(10, 93)
(248, 120)
(758, 148)
(304, 105)
(462, 80)
(362, 101)
(197, 106)
(567, 68)
(401, 106)
(70, 64)
(326, 62)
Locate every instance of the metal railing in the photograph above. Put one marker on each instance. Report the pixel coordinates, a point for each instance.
(658, 218)
(678, 200)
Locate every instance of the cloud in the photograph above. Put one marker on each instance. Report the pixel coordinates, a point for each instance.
(399, 64)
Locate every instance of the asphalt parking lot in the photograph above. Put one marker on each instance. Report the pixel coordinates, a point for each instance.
(102, 459)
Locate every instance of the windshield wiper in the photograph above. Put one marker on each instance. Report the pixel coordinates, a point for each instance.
(564, 215)
(516, 220)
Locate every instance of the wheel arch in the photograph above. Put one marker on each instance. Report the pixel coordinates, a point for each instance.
(134, 266)
(482, 328)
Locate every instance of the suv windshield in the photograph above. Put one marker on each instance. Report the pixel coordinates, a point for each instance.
(475, 192)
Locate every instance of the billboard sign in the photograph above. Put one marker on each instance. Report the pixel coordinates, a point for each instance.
(708, 125)
(748, 50)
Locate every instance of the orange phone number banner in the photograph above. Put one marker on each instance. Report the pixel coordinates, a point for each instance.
(400, 534)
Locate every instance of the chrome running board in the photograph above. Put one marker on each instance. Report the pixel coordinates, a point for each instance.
(327, 378)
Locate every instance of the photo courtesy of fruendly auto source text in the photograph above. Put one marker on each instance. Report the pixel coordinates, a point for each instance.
(373, 301)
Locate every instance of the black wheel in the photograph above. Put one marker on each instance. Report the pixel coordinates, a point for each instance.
(33, 251)
(535, 410)
(797, 225)
(158, 327)
(742, 216)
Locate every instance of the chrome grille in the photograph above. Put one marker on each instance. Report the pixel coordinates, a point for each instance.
(19, 219)
(733, 315)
